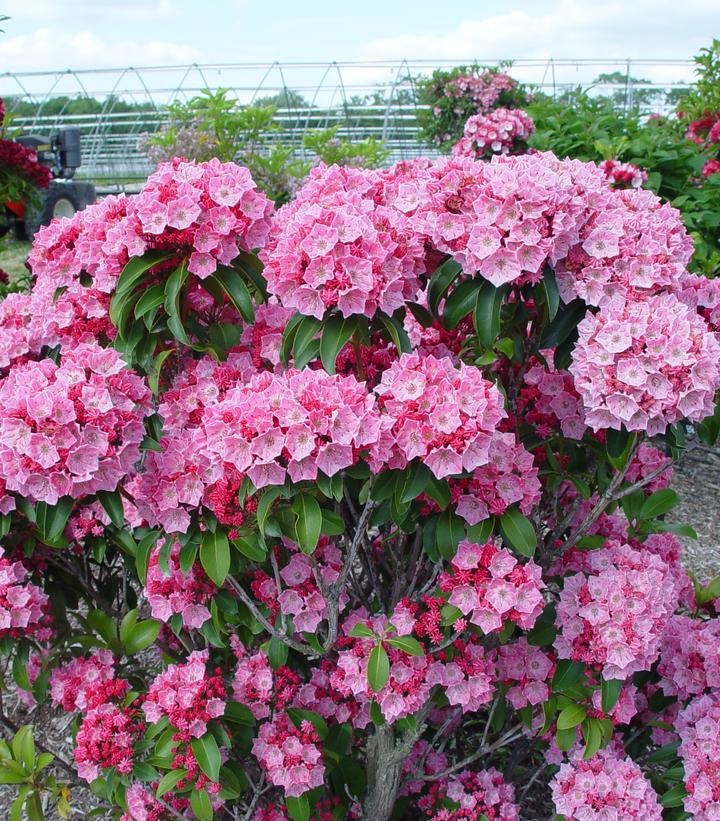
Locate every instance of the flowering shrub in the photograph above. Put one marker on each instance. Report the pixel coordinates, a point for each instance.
(502, 131)
(337, 511)
(461, 93)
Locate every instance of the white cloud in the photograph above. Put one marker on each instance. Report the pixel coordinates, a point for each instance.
(48, 48)
(577, 29)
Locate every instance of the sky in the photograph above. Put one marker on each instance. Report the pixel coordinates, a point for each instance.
(80, 34)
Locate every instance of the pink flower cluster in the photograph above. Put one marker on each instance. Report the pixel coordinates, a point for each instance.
(183, 476)
(338, 245)
(487, 584)
(84, 683)
(23, 606)
(292, 424)
(631, 244)
(290, 756)
(71, 429)
(647, 460)
(609, 785)
(406, 690)
(469, 795)
(105, 739)
(623, 174)
(301, 598)
(483, 89)
(253, 683)
(209, 211)
(690, 657)
(500, 131)
(548, 400)
(176, 592)
(89, 243)
(187, 696)
(645, 365)
(612, 616)
(701, 294)
(509, 478)
(507, 218)
(526, 670)
(699, 727)
(445, 416)
(466, 676)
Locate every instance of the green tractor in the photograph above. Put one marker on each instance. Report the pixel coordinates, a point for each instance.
(60, 152)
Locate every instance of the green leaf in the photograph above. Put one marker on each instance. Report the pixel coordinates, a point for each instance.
(362, 631)
(552, 294)
(407, 644)
(565, 738)
(518, 532)
(51, 519)
(449, 533)
(335, 334)
(332, 523)
(232, 283)
(610, 693)
(396, 332)
(137, 266)
(269, 496)
(250, 547)
(298, 716)
(126, 625)
(215, 556)
(207, 754)
(564, 324)
(151, 299)
(619, 444)
(486, 315)
(440, 281)
(112, 503)
(142, 556)
(201, 805)
(308, 521)
(659, 503)
(412, 481)
(567, 675)
(169, 780)
(593, 735)
(142, 636)
(461, 302)
(298, 807)
(306, 332)
(421, 314)
(23, 746)
(674, 797)
(378, 668)
(288, 337)
(173, 288)
(155, 370)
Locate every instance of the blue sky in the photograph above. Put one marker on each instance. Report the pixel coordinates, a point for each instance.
(80, 34)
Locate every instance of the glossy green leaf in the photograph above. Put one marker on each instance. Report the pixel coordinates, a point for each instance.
(518, 532)
(335, 334)
(378, 668)
(308, 521)
(207, 755)
(486, 313)
(215, 556)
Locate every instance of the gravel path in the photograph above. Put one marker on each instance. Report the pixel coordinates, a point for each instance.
(697, 480)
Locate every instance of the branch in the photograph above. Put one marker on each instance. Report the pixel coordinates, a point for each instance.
(512, 734)
(305, 649)
(332, 598)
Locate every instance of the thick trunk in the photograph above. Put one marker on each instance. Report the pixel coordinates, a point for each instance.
(384, 768)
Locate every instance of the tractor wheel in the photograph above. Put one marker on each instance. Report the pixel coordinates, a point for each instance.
(61, 199)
